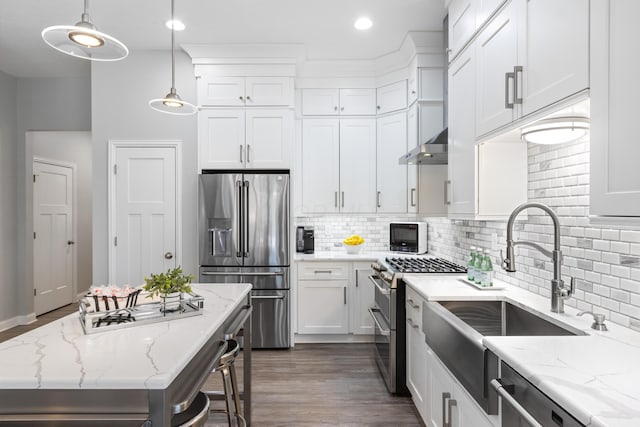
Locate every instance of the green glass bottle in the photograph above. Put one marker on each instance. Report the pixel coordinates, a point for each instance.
(477, 277)
(471, 265)
(487, 270)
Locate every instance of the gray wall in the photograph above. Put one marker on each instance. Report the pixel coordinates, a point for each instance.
(53, 104)
(121, 92)
(8, 212)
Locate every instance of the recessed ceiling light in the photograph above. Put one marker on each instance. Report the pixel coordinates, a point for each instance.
(363, 23)
(175, 25)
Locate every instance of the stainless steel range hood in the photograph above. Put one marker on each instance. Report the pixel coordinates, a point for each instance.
(433, 152)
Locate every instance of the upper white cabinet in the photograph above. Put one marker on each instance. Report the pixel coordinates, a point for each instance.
(532, 54)
(615, 90)
(392, 97)
(244, 138)
(338, 165)
(346, 102)
(488, 179)
(245, 91)
(391, 195)
(462, 24)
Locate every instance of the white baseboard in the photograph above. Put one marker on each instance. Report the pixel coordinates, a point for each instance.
(17, 321)
(330, 338)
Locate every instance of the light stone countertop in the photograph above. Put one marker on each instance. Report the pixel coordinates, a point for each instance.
(596, 377)
(60, 356)
(340, 255)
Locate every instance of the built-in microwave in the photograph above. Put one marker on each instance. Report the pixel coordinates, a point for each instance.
(408, 237)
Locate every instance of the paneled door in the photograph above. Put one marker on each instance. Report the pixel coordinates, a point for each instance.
(53, 248)
(145, 210)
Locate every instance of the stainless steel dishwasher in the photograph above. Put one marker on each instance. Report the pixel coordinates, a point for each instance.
(524, 405)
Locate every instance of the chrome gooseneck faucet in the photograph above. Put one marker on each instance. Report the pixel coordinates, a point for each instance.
(558, 292)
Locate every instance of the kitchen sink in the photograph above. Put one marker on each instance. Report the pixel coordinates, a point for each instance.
(454, 330)
(502, 318)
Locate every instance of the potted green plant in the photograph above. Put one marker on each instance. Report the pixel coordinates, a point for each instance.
(169, 286)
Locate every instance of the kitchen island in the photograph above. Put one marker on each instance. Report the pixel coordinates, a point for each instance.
(57, 375)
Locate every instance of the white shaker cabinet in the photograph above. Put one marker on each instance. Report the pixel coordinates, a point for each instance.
(323, 298)
(244, 91)
(615, 90)
(338, 165)
(362, 298)
(345, 102)
(462, 24)
(244, 138)
(417, 373)
(392, 97)
(391, 194)
(412, 170)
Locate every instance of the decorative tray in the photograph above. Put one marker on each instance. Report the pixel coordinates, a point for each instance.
(483, 288)
(119, 318)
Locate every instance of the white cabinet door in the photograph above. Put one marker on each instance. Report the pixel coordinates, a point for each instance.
(358, 165)
(460, 193)
(391, 176)
(554, 51)
(615, 90)
(268, 91)
(412, 170)
(484, 9)
(357, 102)
(462, 24)
(320, 102)
(227, 91)
(439, 390)
(221, 139)
(320, 165)
(412, 83)
(269, 138)
(392, 97)
(362, 299)
(431, 84)
(323, 307)
(431, 190)
(417, 364)
(497, 55)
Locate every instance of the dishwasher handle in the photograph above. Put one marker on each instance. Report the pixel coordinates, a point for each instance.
(502, 388)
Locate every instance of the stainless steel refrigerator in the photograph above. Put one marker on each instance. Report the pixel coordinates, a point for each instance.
(244, 238)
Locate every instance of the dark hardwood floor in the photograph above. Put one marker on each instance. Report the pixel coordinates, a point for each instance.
(319, 385)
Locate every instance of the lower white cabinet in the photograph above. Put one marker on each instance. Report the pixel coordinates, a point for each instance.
(417, 367)
(334, 298)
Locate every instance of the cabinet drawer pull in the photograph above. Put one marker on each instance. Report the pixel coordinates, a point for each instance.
(344, 289)
(446, 192)
(412, 303)
(322, 271)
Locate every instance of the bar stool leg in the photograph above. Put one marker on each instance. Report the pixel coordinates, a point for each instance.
(228, 391)
(236, 395)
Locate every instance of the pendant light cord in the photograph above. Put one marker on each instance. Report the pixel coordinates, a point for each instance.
(173, 61)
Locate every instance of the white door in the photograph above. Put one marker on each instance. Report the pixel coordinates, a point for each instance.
(391, 176)
(497, 55)
(221, 136)
(269, 139)
(358, 165)
(145, 212)
(53, 250)
(320, 165)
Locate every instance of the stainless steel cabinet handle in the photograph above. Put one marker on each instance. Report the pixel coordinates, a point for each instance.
(335, 108)
(248, 98)
(383, 331)
(241, 98)
(241, 154)
(445, 396)
(380, 288)
(413, 304)
(446, 192)
(236, 232)
(168, 255)
(507, 77)
(517, 97)
(238, 273)
(496, 384)
(378, 200)
(248, 153)
(335, 199)
(413, 193)
(246, 219)
(343, 199)
(410, 322)
(341, 108)
(323, 271)
(377, 107)
(70, 242)
(344, 291)
(450, 404)
(267, 296)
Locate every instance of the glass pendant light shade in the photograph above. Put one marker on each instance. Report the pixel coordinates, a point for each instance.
(556, 130)
(172, 103)
(83, 40)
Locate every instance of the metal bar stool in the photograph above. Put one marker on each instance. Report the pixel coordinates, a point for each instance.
(230, 383)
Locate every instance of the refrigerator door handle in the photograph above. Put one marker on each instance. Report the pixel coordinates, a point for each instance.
(246, 219)
(238, 225)
(237, 273)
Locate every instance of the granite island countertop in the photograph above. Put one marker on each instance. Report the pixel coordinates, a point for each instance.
(60, 356)
(593, 377)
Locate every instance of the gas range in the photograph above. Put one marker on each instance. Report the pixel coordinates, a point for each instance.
(393, 268)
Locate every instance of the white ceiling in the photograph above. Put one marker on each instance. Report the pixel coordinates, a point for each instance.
(325, 27)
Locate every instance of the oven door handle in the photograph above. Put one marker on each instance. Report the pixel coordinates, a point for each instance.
(380, 288)
(500, 388)
(383, 331)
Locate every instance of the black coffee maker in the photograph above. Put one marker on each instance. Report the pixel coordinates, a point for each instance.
(304, 240)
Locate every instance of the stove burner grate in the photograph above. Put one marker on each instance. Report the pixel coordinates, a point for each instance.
(423, 265)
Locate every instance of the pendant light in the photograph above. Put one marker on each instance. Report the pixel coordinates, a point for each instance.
(171, 103)
(556, 130)
(83, 40)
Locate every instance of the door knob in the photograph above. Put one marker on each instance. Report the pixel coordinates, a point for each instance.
(70, 242)
(168, 255)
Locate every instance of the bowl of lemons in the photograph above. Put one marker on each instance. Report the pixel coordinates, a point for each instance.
(353, 244)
